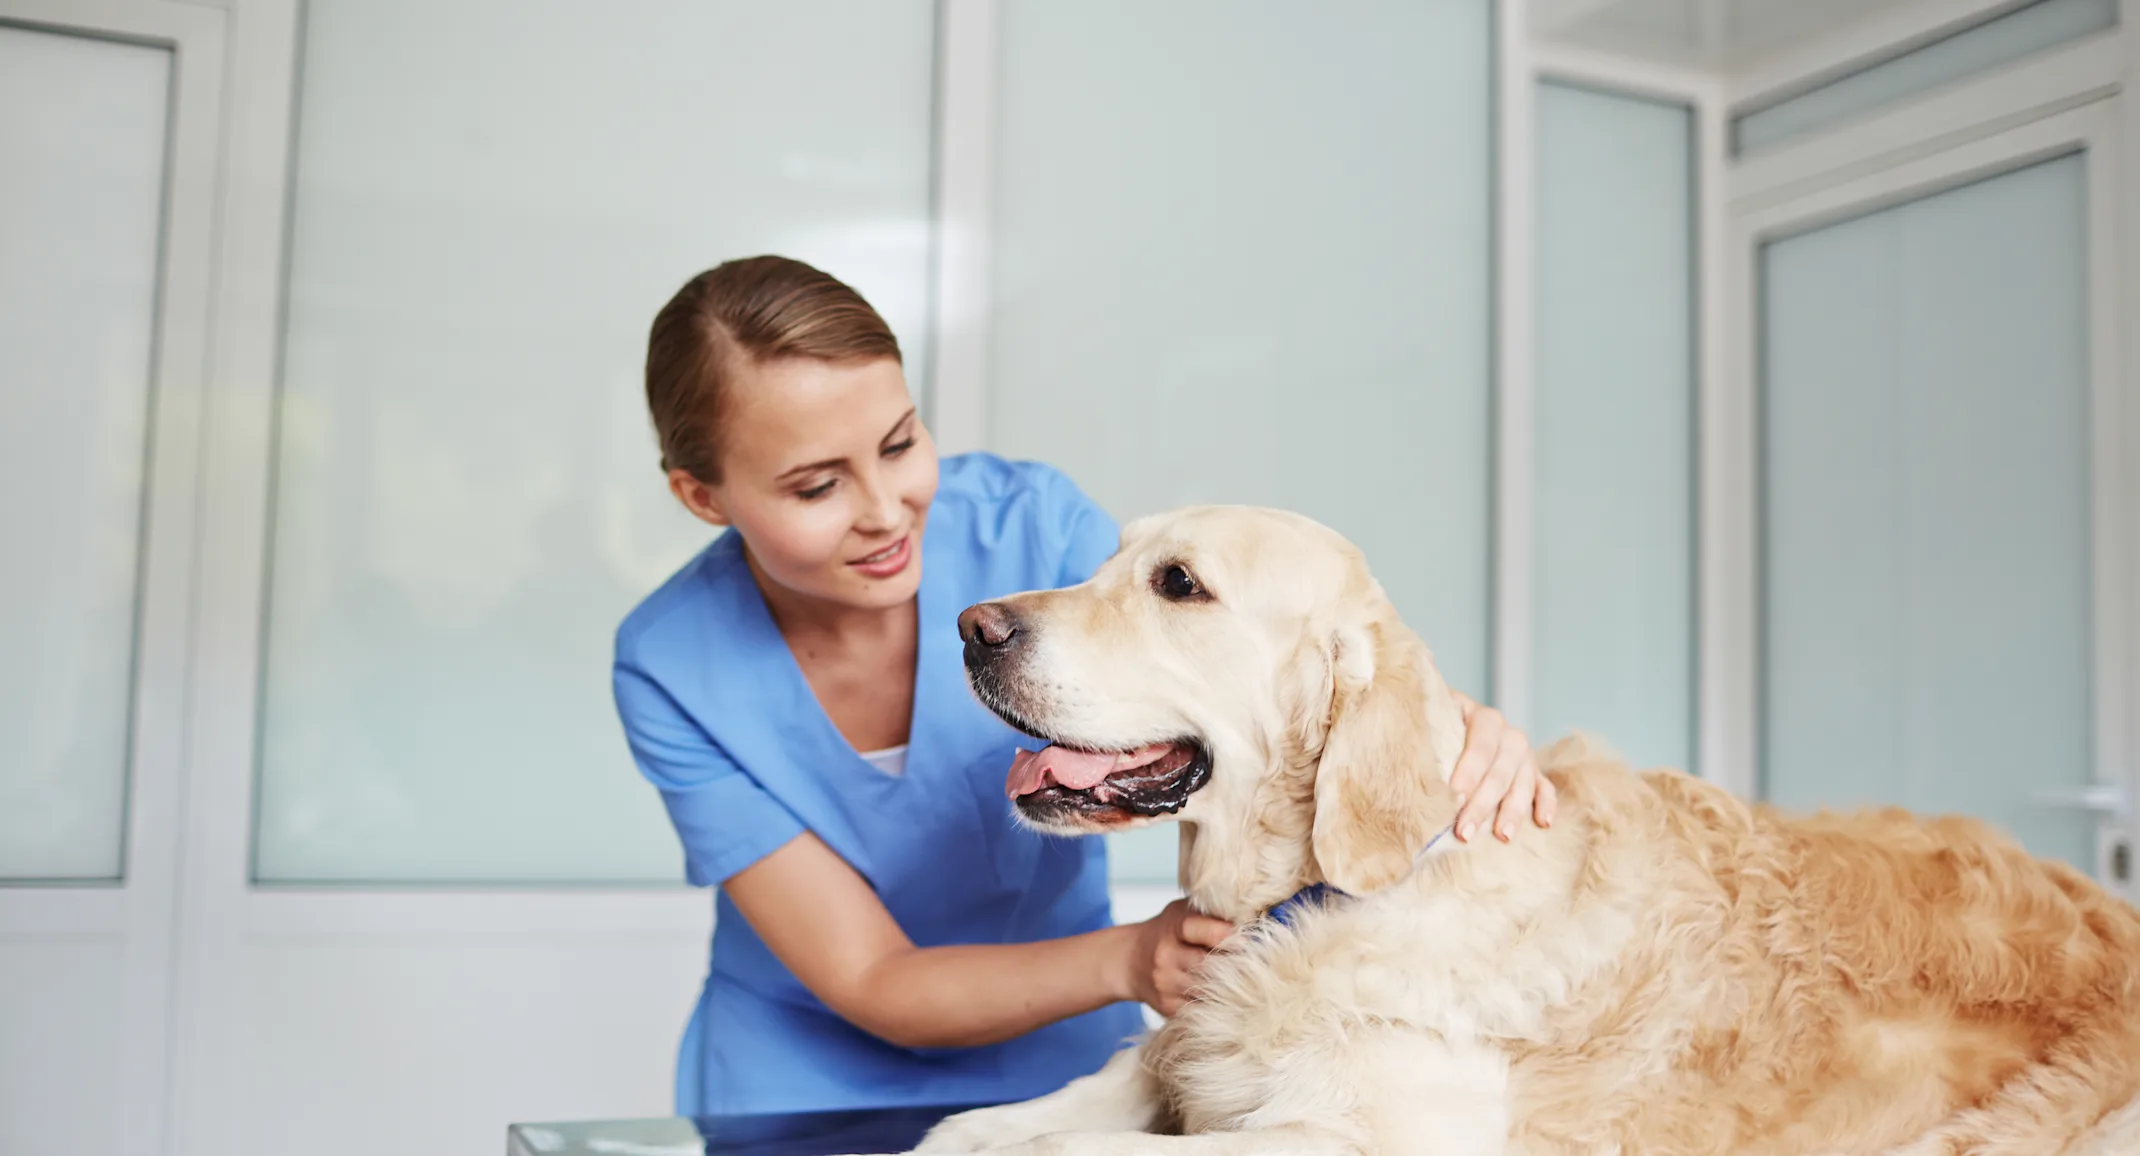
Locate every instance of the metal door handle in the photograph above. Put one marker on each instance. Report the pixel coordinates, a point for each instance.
(2101, 798)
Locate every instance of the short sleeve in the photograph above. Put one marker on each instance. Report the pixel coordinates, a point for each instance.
(726, 820)
(1088, 535)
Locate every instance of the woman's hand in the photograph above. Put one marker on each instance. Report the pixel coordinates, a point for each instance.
(1166, 953)
(1497, 776)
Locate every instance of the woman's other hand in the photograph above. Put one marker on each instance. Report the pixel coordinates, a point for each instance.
(1497, 776)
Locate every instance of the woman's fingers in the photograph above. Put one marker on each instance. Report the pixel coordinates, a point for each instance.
(1548, 802)
(1516, 806)
(1175, 980)
(1176, 963)
(1496, 778)
(1485, 800)
(1482, 739)
(1204, 931)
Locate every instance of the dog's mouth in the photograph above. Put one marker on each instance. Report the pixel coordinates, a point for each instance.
(1088, 787)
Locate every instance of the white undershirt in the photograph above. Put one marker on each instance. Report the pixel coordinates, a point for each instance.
(891, 760)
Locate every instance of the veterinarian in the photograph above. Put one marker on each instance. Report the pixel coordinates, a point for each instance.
(885, 933)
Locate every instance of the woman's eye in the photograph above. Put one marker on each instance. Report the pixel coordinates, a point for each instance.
(1178, 584)
(893, 451)
(815, 492)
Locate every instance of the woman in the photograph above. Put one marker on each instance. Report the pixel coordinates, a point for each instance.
(885, 933)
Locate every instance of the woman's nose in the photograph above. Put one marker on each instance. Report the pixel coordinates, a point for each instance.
(880, 509)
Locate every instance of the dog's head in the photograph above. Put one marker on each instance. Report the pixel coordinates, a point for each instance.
(1238, 669)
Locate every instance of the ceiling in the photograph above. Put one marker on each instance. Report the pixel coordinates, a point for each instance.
(1719, 35)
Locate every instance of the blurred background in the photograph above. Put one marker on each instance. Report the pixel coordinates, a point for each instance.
(1747, 381)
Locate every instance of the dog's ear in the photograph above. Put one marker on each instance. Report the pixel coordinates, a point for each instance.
(1395, 730)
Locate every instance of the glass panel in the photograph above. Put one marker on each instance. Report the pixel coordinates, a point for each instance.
(1242, 255)
(81, 194)
(1978, 49)
(1926, 552)
(1613, 572)
(467, 500)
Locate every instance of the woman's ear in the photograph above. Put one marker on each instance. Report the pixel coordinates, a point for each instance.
(697, 497)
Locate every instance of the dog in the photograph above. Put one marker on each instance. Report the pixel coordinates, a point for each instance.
(1666, 970)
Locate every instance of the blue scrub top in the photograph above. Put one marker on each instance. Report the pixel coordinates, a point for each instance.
(720, 718)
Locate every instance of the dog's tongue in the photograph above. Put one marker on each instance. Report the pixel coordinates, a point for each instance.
(1077, 770)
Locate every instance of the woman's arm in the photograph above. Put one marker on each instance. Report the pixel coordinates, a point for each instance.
(824, 922)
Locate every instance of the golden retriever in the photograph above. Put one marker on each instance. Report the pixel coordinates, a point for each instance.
(1666, 970)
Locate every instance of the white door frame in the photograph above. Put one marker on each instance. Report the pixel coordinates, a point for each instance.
(1855, 45)
(1523, 64)
(2005, 124)
(2082, 72)
(967, 42)
(137, 911)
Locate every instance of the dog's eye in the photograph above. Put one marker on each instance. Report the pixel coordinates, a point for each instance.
(1177, 583)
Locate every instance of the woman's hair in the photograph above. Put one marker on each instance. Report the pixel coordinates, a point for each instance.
(742, 313)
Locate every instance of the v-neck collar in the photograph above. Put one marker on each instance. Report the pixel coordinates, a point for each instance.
(936, 642)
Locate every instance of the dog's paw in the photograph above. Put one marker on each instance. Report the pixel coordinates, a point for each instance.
(978, 1131)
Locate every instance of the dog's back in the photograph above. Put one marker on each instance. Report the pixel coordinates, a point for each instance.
(1848, 982)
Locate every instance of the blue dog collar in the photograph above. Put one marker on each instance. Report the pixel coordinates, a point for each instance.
(1317, 894)
(1313, 895)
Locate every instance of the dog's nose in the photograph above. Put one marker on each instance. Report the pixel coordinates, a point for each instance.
(988, 626)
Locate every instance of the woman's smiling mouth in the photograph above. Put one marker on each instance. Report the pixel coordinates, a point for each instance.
(888, 561)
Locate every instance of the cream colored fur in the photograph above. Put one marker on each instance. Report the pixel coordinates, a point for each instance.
(1665, 971)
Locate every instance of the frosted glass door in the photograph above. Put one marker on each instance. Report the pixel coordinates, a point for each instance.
(1613, 573)
(81, 192)
(1927, 553)
(1242, 255)
(467, 499)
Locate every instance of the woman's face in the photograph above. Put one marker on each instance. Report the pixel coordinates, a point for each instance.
(827, 473)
